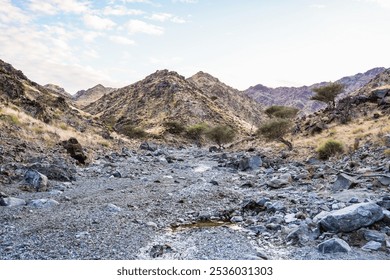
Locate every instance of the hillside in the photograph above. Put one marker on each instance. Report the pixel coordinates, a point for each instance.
(299, 97)
(85, 97)
(167, 96)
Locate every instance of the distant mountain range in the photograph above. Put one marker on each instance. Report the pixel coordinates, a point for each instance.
(299, 97)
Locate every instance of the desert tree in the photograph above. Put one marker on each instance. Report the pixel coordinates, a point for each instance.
(283, 112)
(328, 93)
(220, 134)
(275, 130)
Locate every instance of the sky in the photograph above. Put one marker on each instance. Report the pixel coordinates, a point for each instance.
(77, 44)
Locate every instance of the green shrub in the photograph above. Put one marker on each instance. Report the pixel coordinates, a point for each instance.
(173, 127)
(221, 134)
(330, 148)
(275, 130)
(195, 132)
(133, 132)
(11, 119)
(283, 112)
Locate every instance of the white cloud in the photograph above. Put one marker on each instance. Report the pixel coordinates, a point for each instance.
(162, 17)
(52, 7)
(138, 26)
(121, 40)
(97, 22)
(121, 11)
(10, 13)
(185, 1)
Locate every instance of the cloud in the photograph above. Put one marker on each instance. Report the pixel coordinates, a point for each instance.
(121, 40)
(121, 11)
(383, 3)
(185, 1)
(96, 22)
(138, 26)
(162, 17)
(11, 14)
(52, 7)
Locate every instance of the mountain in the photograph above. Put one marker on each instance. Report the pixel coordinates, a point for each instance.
(299, 97)
(85, 97)
(59, 90)
(231, 100)
(166, 96)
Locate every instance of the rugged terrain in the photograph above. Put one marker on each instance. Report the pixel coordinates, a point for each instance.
(299, 97)
(86, 97)
(71, 188)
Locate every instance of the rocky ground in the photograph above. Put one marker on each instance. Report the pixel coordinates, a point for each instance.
(171, 203)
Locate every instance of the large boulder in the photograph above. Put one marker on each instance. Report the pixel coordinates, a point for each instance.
(351, 218)
(34, 181)
(334, 245)
(74, 149)
(344, 182)
(250, 163)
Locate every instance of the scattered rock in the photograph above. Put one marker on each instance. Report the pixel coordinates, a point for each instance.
(237, 219)
(384, 180)
(352, 218)
(334, 245)
(373, 235)
(43, 203)
(251, 163)
(148, 146)
(34, 181)
(344, 182)
(74, 149)
(113, 208)
(277, 183)
(213, 149)
(372, 246)
(158, 250)
(12, 201)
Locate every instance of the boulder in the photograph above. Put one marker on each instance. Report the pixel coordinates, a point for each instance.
(43, 203)
(373, 235)
(12, 201)
(344, 182)
(384, 203)
(277, 183)
(34, 181)
(334, 245)
(58, 172)
(148, 146)
(372, 246)
(74, 149)
(351, 218)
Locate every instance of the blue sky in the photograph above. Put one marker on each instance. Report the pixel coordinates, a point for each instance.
(79, 43)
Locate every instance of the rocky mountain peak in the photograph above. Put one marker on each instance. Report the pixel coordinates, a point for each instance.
(57, 89)
(8, 69)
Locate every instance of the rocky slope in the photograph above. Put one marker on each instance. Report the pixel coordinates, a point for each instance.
(231, 100)
(59, 90)
(299, 97)
(167, 96)
(85, 97)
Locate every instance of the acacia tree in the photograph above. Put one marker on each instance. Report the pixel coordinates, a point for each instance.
(220, 135)
(328, 93)
(275, 130)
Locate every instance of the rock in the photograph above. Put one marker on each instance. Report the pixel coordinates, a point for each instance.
(251, 163)
(344, 182)
(277, 206)
(252, 205)
(354, 200)
(372, 246)
(373, 235)
(276, 183)
(298, 236)
(34, 181)
(151, 224)
(213, 149)
(351, 218)
(74, 149)
(148, 146)
(43, 203)
(158, 250)
(334, 245)
(321, 215)
(117, 174)
(258, 229)
(386, 140)
(384, 180)
(290, 218)
(386, 217)
(12, 201)
(113, 208)
(214, 183)
(59, 172)
(236, 219)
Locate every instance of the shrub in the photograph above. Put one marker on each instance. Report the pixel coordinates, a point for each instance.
(221, 135)
(283, 112)
(275, 130)
(196, 132)
(174, 127)
(11, 119)
(387, 153)
(330, 148)
(133, 132)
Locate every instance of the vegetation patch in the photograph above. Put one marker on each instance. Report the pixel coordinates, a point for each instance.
(330, 148)
(173, 127)
(221, 135)
(276, 130)
(283, 112)
(133, 132)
